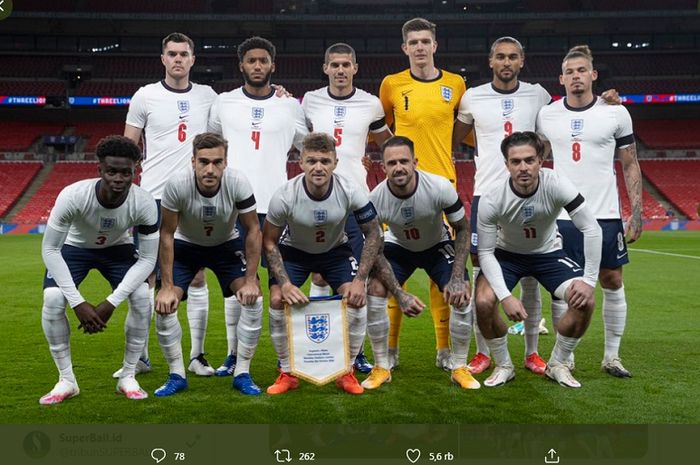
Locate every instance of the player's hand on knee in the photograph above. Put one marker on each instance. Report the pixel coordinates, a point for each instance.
(457, 292)
(166, 301)
(104, 310)
(580, 295)
(355, 293)
(90, 322)
(248, 293)
(293, 295)
(514, 309)
(409, 304)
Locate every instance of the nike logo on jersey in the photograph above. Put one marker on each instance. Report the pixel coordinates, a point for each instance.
(619, 256)
(406, 92)
(182, 116)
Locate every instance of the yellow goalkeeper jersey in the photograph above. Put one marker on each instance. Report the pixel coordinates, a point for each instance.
(424, 111)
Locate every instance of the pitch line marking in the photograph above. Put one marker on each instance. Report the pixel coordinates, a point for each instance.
(656, 252)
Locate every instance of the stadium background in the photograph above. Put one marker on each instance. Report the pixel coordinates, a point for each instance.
(68, 71)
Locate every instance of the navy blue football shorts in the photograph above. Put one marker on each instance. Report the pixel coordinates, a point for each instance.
(112, 263)
(337, 266)
(614, 252)
(437, 262)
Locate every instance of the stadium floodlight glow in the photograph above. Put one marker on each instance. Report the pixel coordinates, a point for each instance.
(616, 44)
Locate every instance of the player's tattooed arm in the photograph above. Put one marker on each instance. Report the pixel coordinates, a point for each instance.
(271, 237)
(633, 181)
(409, 304)
(374, 246)
(457, 290)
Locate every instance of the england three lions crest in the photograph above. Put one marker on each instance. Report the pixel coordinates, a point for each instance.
(407, 213)
(446, 93)
(107, 223)
(183, 106)
(257, 113)
(527, 212)
(507, 105)
(318, 327)
(576, 127)
(320, 216)
(340, 112)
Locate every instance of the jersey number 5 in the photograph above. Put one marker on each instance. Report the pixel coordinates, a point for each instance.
(338, 136)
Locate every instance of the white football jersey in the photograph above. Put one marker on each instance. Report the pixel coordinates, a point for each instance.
(208, 221)
(170, 119)
(525, 225)
(92, 226)
(347, 120)
(415, 222)
(495, 115)
(318, 225)
(584, 141)
(260, 131)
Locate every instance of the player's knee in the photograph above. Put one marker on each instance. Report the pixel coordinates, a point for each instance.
(140, 299)
(276, 301)
(611, 281)
(376, 288)
(485, 303)
(54, 303)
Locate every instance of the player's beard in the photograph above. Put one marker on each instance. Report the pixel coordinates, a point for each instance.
(508, 79)
(262, 83)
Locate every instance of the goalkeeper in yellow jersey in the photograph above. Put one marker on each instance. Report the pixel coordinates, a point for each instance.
(421, 102)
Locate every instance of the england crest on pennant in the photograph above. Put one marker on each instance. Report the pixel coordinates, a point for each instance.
(318, 327)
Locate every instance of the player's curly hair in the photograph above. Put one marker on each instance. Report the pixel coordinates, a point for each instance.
(523, 138)
(117, 146)
(398, 141)
(318, 142)
(254, 42)
(418, 24)
(208, 140)
(579, 51)
(177, 37)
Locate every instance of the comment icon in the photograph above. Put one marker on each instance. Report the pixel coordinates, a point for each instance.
(158, 454)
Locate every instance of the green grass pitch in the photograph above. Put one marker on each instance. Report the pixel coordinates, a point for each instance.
(660, 347)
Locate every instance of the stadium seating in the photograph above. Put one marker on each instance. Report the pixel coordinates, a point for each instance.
(14, 179)
(677, 180)
(93, 132)
(39, 206)
(669, 134)
(18, 136)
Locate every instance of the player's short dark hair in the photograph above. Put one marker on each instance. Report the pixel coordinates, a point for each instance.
(579, 51)
(208, 140)
(254, 42)
(523, 138)
(117, 146)
(341, 48)
(318, 142)
(507, 40)
(398, 141)
(177, 37)
(418, 24)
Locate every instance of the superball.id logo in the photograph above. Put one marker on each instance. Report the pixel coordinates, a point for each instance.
(5, 9)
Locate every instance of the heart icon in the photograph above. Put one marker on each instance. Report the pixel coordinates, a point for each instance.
(413, 455)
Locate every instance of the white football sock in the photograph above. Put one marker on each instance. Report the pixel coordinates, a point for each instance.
(532, 301)
(319, 291)
(499, 351)
(136, 328)
(357, 326)
(57, 331)
(249, 329)
(559, 307)
(232, 313)
(280, 340)
(378, 329)
(564, 349)
(197, 313)
(170, 338)
(460, 334)
(614, 318)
